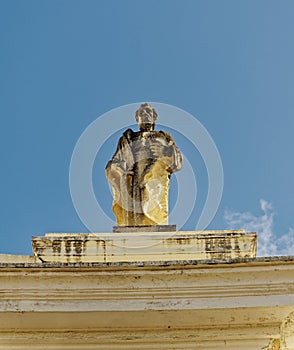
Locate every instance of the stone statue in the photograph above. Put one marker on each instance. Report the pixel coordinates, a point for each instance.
(140, 170)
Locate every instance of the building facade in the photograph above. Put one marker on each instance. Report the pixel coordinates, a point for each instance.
(236, 302)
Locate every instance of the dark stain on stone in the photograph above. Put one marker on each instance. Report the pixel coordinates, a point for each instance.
(237, 247)
(41, 245)
(78, 246)
(104, 249)
(101, 243)
(67, 247)
(84, 246)
(208, 246)
(178, 240)
(56, 246)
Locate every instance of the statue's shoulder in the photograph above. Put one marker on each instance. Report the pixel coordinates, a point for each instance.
(128, 134)
(166, 135)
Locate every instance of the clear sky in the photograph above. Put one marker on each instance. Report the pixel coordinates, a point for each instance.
(66, 62)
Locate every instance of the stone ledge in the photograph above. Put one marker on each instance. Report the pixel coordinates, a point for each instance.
(145, 246)
(12, 258)
(271, 260)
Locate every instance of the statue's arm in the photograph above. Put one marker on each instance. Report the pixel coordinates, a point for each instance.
(178, 159)
(173, 153)
(119, 166)
(116, 167)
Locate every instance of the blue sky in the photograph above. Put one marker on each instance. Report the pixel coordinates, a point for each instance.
(64, 63)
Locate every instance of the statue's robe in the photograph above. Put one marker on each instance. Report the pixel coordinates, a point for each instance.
(139, 174)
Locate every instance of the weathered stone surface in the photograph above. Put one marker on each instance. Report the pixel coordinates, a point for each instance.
(140, 170)
(241, 304)
(287, 333)
(7, 258)
(145, 246)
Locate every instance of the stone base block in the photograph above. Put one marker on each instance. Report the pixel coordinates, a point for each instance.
(155, 228)
(145, 246)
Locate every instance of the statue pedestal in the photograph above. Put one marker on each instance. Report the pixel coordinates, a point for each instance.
(155, 228)
(145, 246)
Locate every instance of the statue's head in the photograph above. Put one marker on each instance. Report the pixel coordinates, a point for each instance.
(146, 117)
